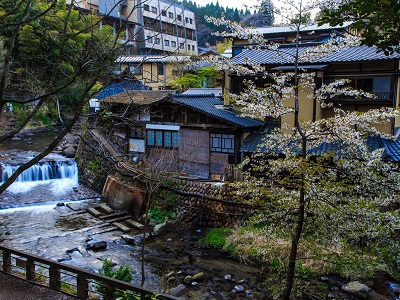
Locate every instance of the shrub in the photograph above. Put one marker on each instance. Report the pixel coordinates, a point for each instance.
(159, 216)
(216, 237)
(123, 273)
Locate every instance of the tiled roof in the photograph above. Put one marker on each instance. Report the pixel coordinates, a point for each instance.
(292, 28)
(213, 106)
(153, 59)
(285, 55)
(392, 147)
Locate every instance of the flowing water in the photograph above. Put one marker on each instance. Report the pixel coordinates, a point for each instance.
(33, 219)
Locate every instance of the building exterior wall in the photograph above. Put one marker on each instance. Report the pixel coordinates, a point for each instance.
(169, 28)
(151, 25)
(194, 152)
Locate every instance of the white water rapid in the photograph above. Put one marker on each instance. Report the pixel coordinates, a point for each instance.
(59, 175)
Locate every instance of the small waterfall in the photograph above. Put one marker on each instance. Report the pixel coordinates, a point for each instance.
(44, 171)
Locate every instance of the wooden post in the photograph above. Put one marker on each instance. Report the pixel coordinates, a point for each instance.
(110, 293)
(6, 261)
(55, 278)
(30, 269)
(82, 287)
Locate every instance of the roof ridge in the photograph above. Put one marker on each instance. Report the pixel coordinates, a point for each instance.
(195, 95)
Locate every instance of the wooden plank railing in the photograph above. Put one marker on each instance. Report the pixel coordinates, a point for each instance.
(22, 263)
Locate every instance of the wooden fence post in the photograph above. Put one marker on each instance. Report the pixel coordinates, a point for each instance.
(82, 287)
(30, 269)
(55, 278)
(6, 261)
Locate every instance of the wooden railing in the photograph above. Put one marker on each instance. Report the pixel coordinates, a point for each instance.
(380, 96)
(68, 279)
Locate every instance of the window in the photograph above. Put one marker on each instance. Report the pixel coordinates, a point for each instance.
(186, 19)
(150, 39)
(164, 13)
(166, 42)
(173, 44)
(180, 45)
(157, 41)
(193, 48)
(136, 133)
(162, 138)
(146, 7)
(154, 9)
(171, 15)
(191, 21)
(380, 86)
(222, 143)
(136, 69)
(188, 47)
(179, 17)
(160, 69)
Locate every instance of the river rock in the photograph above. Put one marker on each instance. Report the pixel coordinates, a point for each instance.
(101, 245)
(199, 276)
(249, 294)
(164, 228)
(357, 289)
(188, 280)
(239, 288)
(228, 277)
(178, 290)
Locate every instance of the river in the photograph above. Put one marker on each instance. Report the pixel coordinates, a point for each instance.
(49, 218)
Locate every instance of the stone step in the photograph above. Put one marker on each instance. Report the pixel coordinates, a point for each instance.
(121, 227)
(113, 215)
(134, 224)
(120, 219)
(74, 206)
(94, 212)
(106, 209)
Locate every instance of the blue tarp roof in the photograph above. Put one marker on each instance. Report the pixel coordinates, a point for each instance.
(116, 88)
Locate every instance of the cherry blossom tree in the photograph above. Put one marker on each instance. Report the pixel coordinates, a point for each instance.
(326, 199)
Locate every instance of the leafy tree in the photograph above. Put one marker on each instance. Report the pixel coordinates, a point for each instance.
(318, 209)
(205, 77)
(377, 21)
(53, 53)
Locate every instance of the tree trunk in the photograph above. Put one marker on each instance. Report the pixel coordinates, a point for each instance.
(294, 246)
(146, 218)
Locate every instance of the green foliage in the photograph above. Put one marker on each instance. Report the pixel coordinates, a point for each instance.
(68, 288)
(377, 21)
(58, 51)
(159, 216)
(123, 273)
(216, 237)
(205, 77)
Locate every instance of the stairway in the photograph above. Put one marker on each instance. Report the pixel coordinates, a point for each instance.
(121, 220)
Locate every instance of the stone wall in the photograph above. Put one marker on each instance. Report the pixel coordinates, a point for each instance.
(207, 205)
(93, 167)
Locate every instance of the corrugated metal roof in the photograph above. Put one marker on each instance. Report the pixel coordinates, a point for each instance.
(198, 91)
(303, 28)
(153, 59)
(213, 106)
(285, 55)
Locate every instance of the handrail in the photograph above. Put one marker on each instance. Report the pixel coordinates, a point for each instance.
(82, 276)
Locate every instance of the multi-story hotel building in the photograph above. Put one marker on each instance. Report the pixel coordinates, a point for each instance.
(146, 27)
